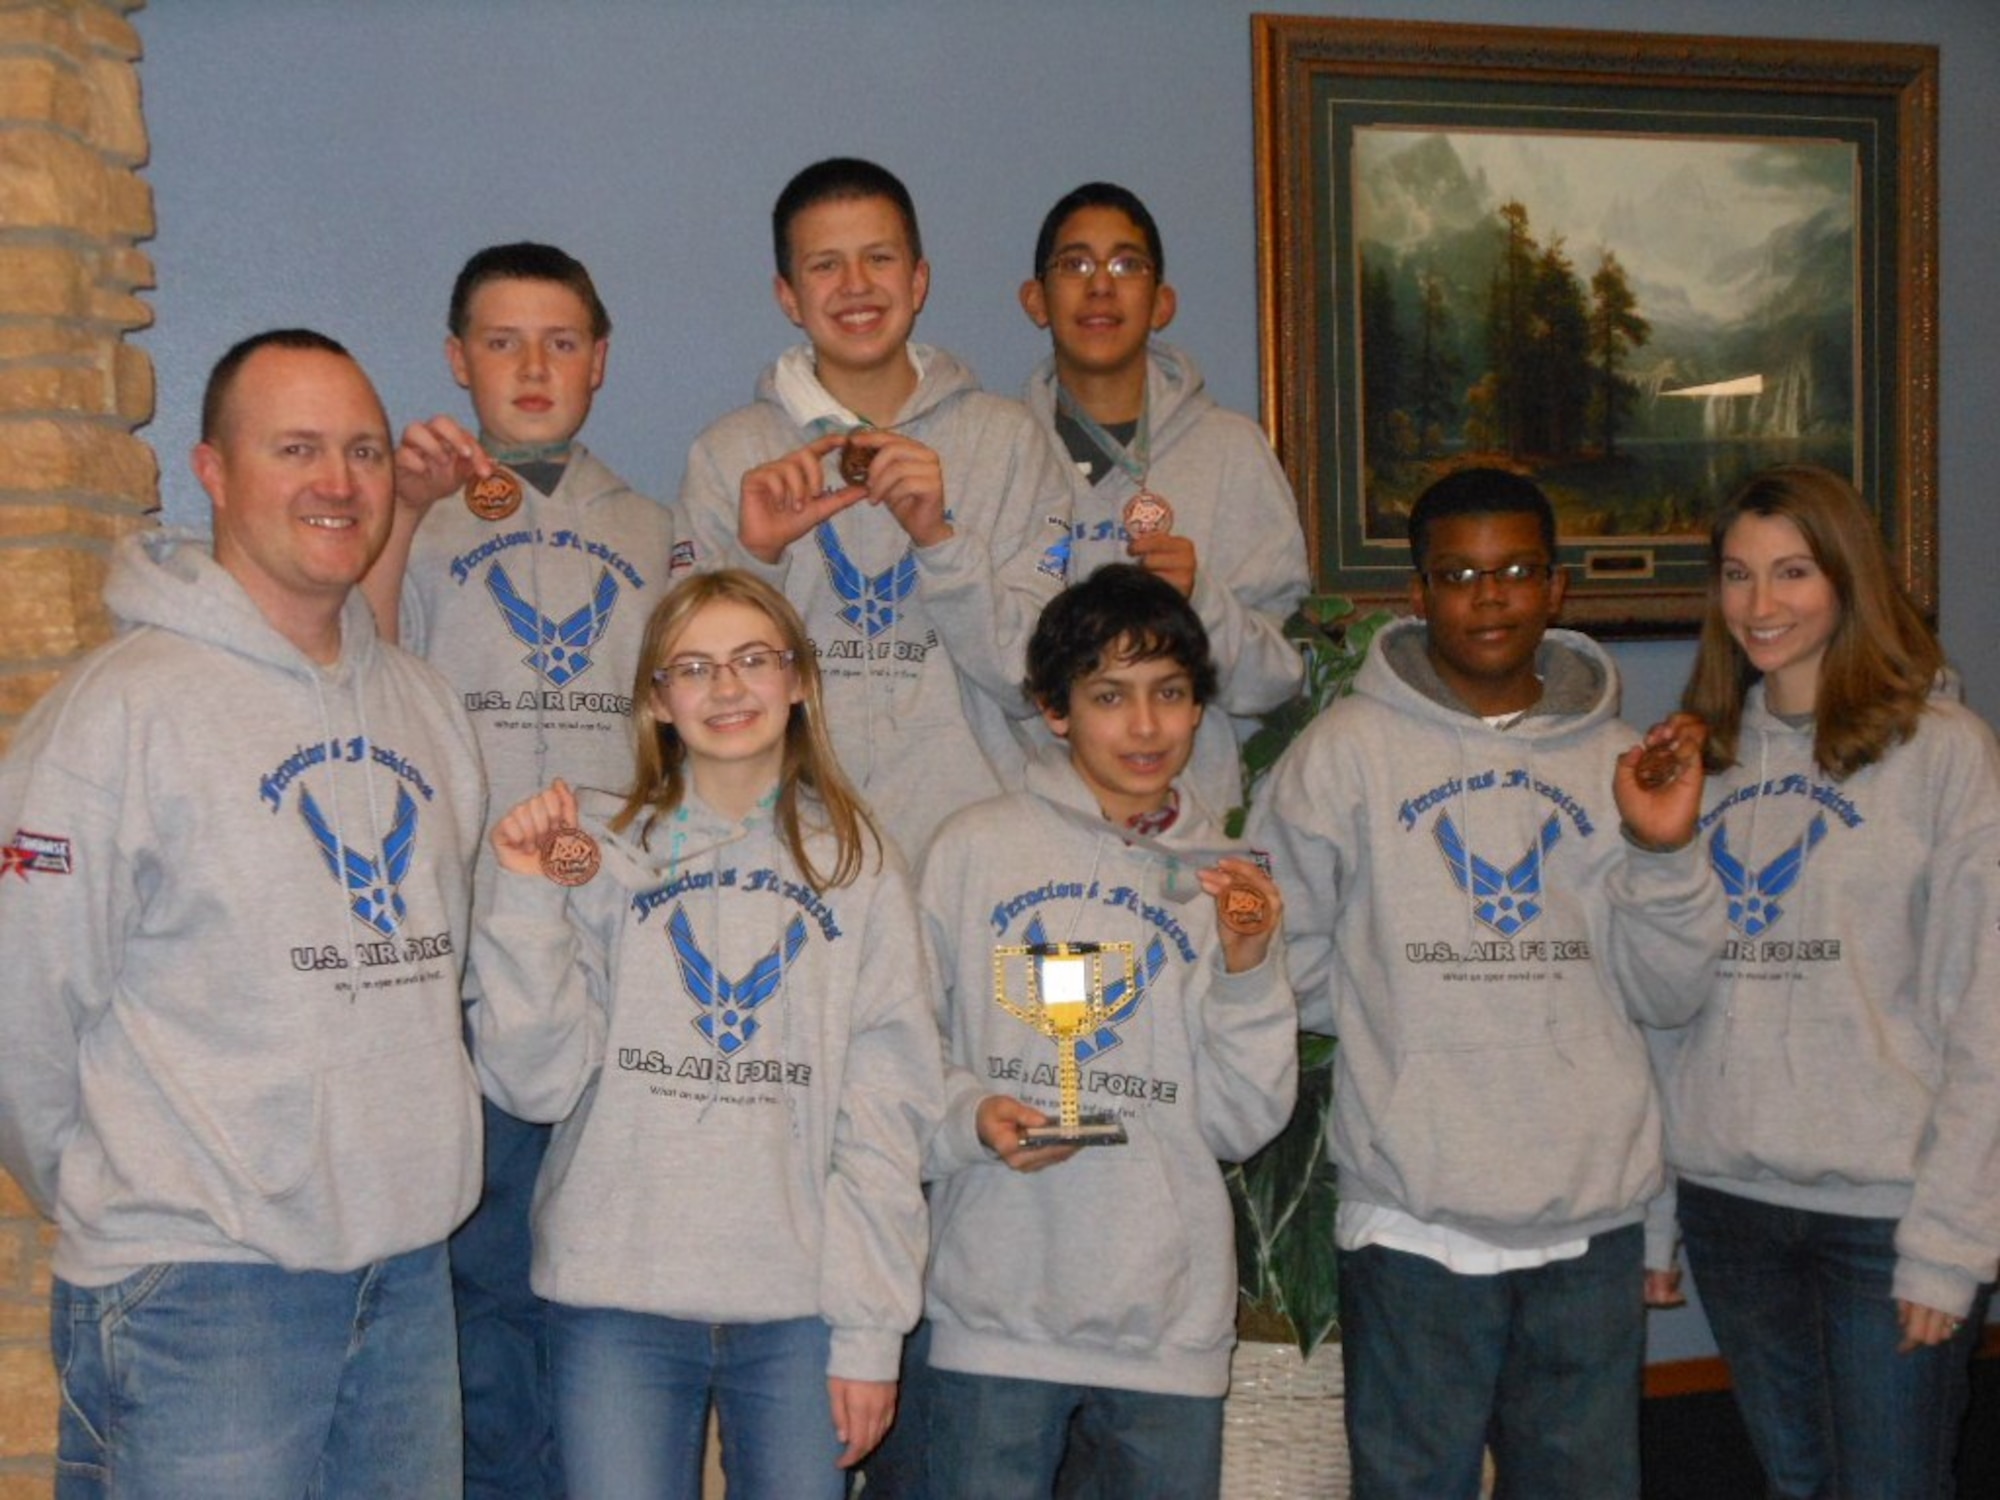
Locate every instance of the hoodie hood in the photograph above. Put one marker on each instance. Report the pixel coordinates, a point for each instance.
(793, 385)
(1579, 684)
(170, 578)
(1176, 395)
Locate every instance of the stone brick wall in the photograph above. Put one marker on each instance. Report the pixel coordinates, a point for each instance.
(73, 477)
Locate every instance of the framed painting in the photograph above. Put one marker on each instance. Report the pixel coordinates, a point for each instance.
(1634, 267)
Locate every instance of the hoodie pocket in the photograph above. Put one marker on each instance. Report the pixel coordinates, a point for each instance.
(1095, 1252)
(1797, 1099)
(1536, 1134)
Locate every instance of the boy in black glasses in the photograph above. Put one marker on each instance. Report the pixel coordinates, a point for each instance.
(1491, 894)
(1164, 477)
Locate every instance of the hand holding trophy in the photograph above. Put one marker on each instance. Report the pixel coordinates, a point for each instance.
(1059, 989)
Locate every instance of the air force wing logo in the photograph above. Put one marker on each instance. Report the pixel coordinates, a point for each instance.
(1753, 894)
(870, 605)
(559, 650)
(1121, 999)
(728, 1007)
(372, 885)
(1056, 557)
(1505, 900)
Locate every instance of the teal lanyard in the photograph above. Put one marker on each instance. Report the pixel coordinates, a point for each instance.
(1135, 459)
(526, 453)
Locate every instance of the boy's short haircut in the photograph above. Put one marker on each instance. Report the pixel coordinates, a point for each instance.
(1098, 195)
(1119, 604)
(838, 179)
(222, 376)
(525, 260)
(1478, 492)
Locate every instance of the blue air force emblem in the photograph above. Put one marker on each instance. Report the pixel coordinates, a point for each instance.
(373, 885)
(728, 1008)
(1505, 900)
(559, 650)
(1120, 998)
(870, 605)
(1753, 894)
(1055, 561)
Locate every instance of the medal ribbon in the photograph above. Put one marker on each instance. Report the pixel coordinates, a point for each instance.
(525, 453)
(1136, 459)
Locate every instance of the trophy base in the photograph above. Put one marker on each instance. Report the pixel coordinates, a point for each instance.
(1090, 1130)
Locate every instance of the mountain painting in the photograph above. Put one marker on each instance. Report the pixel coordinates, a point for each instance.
(1638, 322)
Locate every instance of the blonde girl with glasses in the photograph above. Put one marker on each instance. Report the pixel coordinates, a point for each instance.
(715, 985)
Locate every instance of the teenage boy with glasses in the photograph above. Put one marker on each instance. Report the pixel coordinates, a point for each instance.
(1489, 896)
(1137, 421)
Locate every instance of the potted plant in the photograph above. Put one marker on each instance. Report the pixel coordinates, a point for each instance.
(1282, 1423)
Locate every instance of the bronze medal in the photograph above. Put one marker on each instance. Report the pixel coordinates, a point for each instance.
(1658, 765)
(854, 461)
(494, 498)
(1245, 909)
(1148, 514)
(570, 857)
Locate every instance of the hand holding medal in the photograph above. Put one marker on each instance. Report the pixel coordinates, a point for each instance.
(1658, 783)
(542, 836)
(1247, 909)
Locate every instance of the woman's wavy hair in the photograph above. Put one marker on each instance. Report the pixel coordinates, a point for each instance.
(660, 756)
(1882, 659)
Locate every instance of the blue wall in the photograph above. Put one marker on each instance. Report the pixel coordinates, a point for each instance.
(333, 164)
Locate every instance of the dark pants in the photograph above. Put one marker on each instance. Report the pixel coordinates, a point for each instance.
(1544, 1365)
(1802, 1308)
(503, 1337)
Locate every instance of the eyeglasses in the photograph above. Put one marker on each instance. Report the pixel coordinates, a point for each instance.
(752, 667)
(1078, 266)
(1508, 575)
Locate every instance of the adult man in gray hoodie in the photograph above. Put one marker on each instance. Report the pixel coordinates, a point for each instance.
(242, 835)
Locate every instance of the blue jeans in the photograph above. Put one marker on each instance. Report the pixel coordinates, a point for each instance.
(1544, 1365)
(632, 1397)
(247, 1382)
(503, 1350)
(1802, 1308)
(994, 1438)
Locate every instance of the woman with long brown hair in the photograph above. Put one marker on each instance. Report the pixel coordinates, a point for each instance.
(1833, 1114)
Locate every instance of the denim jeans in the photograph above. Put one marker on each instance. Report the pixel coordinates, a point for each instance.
(503, 1350)
(1802, 1308)
(994, 1438)
(1544, 1365)
(632, 1397)
(247, 1382)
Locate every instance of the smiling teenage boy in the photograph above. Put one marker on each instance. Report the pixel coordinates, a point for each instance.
(1136, 419)
(1092, 1295)
(921, 556)
(532, 604)
(1497, 902)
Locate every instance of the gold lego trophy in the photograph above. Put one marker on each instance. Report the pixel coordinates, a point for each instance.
(1063, 989)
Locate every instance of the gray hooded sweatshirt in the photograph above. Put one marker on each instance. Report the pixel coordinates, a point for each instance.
(1117, 1267)
(231, 1022)
(1464, 914)
(921, 650)
(743, 1072)
(1231, 499)
(1849, 1060)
